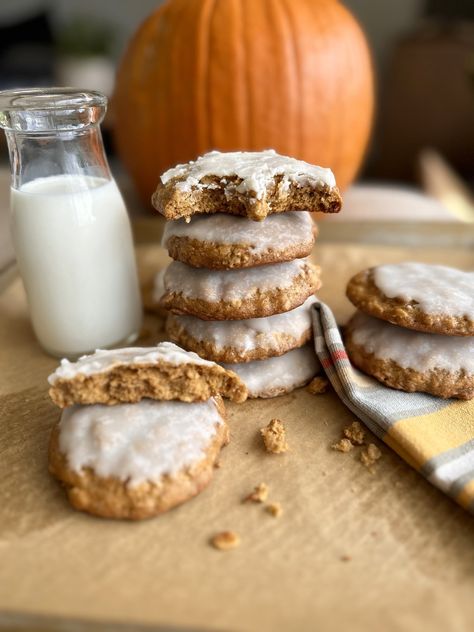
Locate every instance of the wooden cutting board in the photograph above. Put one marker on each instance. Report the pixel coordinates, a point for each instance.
(352, 550)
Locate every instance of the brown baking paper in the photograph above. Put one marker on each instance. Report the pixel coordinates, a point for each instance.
(352, 551)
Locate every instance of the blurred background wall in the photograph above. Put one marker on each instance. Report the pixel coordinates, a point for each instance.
(383, 20)
(423, 54)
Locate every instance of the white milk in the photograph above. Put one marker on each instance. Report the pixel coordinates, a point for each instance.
(75, 253)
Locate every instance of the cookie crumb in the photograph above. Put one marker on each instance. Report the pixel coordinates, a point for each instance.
(225, 540)
(370, 455)
(274, 509)
(318, 385)
(217, 465)
(274, 437)
(355, 433)
(345, 558)
(343, 445)
(259, 494)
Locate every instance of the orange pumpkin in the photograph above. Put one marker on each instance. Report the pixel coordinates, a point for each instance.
(293, 75)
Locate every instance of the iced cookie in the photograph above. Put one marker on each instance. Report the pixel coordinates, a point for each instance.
(411, 360)
(135, 461)
(251, 184)
(419, 296)
(238, 294)
(128, 375)
(279, 375)
(243, 340)
(222, 242)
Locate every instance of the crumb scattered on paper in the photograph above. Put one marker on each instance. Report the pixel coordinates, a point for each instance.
(318, 385)
(370, 455)
(343, 445)
(345, 558)
(274, 437)
(259, 494)
(217, 465)
(225, 540)
(274, 509)
(355, 433)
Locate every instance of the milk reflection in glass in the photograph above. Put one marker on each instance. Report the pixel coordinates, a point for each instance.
(74, 249)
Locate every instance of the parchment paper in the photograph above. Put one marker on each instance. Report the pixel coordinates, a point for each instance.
(352, 551)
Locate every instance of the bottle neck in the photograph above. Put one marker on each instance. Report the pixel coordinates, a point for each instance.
(72, 152)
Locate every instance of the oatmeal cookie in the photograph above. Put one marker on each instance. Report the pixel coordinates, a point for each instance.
(128, 375)
(409, 360)
(251, 184)
(430, 298)
(136, 461)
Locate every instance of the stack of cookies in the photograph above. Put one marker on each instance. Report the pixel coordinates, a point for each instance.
(415, 328)
(240, 287)
(140, 430)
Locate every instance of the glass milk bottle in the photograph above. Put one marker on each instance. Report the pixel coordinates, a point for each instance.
(70, 227)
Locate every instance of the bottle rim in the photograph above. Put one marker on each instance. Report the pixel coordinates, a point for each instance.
(37, 110)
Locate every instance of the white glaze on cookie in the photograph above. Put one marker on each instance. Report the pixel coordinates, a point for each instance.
(280, 231)
(256, 170)
(246, 335)
(436, 289)
(412, 349)
(230, 285)
(135, 443)
(282, 374)
(106, 359)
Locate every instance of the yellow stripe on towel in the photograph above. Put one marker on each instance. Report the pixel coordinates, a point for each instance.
(394, 443)
(419, 439)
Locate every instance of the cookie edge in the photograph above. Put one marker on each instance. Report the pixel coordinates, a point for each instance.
(132, 383)
(229, 355)
(111, 498)
(440, 383)
(366, 296)
(173, 204)
(263, 304)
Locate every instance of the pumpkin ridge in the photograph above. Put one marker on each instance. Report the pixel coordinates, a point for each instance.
(281, 50)
(203, 109)
(239, 47)
(236, 47)
(184, 81)
(161, 114)
(245, 48)
(296, 71)
(333, 126)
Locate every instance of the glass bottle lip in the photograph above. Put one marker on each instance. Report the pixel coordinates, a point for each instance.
(40, 110)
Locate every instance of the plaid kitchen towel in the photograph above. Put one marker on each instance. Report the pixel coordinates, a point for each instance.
(435, 436)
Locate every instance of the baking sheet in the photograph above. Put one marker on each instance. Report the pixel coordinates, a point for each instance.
(353, 550)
